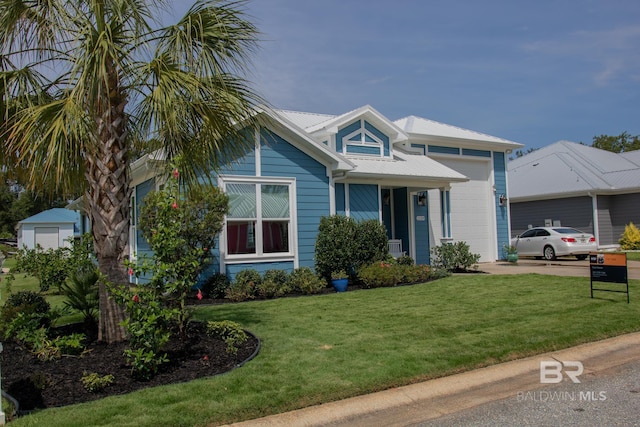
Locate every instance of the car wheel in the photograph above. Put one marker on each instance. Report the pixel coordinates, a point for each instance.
(549, 253)
(581, 257)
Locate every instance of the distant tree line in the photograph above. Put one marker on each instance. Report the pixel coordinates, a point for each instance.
(614, 143)
(17, 204)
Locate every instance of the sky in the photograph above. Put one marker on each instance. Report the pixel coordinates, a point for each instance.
(533, 72)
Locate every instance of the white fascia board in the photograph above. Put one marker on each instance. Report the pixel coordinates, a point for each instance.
(474, 144)
(301, 140)
(366, 112)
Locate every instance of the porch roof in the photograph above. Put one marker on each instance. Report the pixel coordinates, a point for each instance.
(404, 166)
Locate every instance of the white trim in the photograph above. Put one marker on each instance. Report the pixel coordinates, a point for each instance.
(259, 256)
(495, 254)
(258, 152)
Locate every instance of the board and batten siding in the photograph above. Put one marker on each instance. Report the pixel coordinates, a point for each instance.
(502, 212)
(421, 232)
(281, 159)
(573, 212)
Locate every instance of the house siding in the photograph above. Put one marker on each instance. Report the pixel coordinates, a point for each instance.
(363, 202)
(142, 190)
(401, 215)
(281, 159)
(341, 206)
(421, 232)
(502, 212)
(571, 212)
(625, 209)
(605, 225)
(260, 267)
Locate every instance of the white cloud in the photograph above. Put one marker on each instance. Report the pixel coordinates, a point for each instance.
(613, 52)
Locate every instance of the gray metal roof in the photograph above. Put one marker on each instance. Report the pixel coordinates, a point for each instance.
(566, 169)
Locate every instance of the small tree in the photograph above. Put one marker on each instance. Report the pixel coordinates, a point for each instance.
(181, 228)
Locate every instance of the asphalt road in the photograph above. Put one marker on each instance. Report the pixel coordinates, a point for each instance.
(610, 398)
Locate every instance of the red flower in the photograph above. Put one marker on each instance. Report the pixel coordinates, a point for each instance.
(176, 174)
(199, 294)
(130, 271)
(175, 205)
(205, 358)
(136, 298)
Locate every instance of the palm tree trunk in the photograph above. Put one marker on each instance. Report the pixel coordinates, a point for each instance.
(108, 196)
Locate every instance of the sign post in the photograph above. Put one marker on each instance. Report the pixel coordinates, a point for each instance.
(611, 268)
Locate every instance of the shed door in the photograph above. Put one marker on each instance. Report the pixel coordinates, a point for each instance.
(47, 237)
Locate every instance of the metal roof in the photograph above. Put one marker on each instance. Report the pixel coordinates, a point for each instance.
(419, 126)
(566, 169)
(55, 215)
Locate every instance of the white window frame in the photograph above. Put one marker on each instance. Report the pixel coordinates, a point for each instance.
(259, 255)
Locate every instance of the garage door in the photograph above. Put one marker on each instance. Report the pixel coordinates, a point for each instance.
(471, 208)
(47, 237)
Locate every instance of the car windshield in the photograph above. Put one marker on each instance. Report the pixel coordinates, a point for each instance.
(567, 231)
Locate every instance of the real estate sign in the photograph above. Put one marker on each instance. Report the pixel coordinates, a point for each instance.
(609, 267)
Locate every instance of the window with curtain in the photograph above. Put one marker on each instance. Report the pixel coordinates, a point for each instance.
(259, 218)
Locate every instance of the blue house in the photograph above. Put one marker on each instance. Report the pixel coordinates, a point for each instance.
(429, 183)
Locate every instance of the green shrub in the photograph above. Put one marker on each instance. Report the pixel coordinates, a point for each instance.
(336, 244)
(405, 260)
(230, 332)
(244, 286)
(81, 292)
(274, 284)
(94, 383)
(379, 274)
(70, 344)
(50, 267)
(24, 310)
(148, 326)
(305, 281)
(454, 257)
(372, 243)
(216, 285)
(630, 239)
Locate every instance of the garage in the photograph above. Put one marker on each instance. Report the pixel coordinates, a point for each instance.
(474, 226)
(47, 237)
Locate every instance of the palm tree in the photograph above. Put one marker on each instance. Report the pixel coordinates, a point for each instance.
(85, 82)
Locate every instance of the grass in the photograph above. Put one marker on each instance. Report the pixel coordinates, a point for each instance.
(325, 348)
(633, 256)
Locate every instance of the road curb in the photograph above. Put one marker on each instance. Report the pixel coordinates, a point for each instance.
(442, 396)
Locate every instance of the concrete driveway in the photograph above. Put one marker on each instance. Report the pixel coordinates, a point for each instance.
(560, 267)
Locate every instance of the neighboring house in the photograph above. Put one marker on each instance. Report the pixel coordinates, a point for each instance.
(576, 185)
(51, 229)
(427, 182)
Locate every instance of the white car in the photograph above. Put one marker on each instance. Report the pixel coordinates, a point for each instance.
(552, 242)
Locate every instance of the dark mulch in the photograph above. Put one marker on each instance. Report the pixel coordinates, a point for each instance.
(36, 384)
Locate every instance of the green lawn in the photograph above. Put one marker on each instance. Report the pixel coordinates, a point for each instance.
(633, 256)
(324, 348)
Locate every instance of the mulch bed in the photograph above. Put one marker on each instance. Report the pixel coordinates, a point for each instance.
(36, 384)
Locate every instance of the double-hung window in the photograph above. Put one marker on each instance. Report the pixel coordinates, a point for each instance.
(259, 222)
